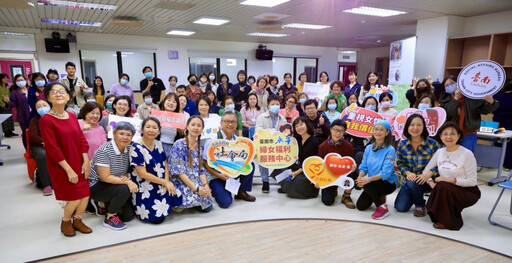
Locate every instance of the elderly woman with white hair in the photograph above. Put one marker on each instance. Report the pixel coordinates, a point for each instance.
(109, 180)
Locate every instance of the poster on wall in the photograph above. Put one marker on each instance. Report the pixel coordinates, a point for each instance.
(316, 91)
(481, 78)
(401, 61)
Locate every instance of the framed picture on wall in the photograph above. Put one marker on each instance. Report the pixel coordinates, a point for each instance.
(15, 70)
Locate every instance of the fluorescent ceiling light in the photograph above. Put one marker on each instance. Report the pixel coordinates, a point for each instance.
(70, 22)
(214, 21)
(260, 34)
(180, 32)
(70, 4)
(306, 26)
(372, 11)
(13, 34)
(265, 3)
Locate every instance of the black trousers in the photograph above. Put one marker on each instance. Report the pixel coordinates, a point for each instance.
(117, 195)
(373, 193)
(39, 154)
(329, 193)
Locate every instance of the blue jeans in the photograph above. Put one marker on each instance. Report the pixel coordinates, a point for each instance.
(411, 193)
(264, 174)
(469, 142)
(222, 196)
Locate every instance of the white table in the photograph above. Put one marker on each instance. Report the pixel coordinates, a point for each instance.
(3, 117)
(491, 155)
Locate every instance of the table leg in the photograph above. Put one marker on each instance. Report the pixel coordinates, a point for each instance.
(500, 178)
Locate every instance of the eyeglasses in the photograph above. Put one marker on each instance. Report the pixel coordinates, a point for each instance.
(229, 122)
(61, 91)
(337, 131)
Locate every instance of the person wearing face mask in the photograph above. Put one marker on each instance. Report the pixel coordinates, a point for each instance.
(421, 87)
(173, 84)
(303, 97)
(241, 90)
(370, 103)
(337, 94)
(426, 101)
(271, 119)
(225, 87)
(152, 84)
(331, 113)
(467, 113)
(37, 147)
(229, 105)
(385, 100)
(52, 76)
(89, 97)
(212, 80)
(5, 93)
(203, 83)
(122, 88)
(109, 101)
(193, 91)
(19, 104)
(252, 82)
(35, 92)
(145, 108)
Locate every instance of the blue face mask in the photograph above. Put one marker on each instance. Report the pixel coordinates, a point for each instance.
(274, 109)
(450, 89)
(124, 81)
(371, 107)
(21, 83)
(423, 106)
(40, 83)
(148, 100)
(211, 77)
(332, 106)
(148, 74)
(109, 104)
(251, 81)
(230, 107)
(42, 111)
(91, 100)
(302, 101)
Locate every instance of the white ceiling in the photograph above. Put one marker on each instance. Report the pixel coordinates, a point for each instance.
(348, 30)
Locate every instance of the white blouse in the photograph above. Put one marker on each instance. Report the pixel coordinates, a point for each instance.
(459, 164)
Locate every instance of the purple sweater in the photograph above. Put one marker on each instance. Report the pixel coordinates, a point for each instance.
(19, 101)
(119, 90)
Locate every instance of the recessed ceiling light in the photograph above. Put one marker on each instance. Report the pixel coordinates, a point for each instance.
(70, 4)
(265, 3)
(180, 32)
(214, 21)
(372, 11)
(70, 22)
(306, 26)
(260, 34)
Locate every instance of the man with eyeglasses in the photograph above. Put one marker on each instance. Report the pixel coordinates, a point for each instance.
(337, 144)
(318, 118)
(217, 180)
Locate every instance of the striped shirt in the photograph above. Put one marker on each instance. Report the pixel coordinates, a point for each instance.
(108, 155)
(414, 161)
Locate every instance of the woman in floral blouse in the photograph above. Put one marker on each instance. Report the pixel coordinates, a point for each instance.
(157, 195)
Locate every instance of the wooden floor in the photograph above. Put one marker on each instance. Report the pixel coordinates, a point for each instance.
(291, 241)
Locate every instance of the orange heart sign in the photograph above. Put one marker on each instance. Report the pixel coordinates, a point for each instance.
(231, 157)
(318, 172)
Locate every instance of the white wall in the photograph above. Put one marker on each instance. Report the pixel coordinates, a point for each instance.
(488, 24)
(366, 61)
(180, 67)
(431, 47)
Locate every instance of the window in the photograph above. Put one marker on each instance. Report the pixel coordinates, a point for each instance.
(295, 66)
(228, 66)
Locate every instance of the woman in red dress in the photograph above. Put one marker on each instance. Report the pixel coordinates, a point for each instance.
(66, 159)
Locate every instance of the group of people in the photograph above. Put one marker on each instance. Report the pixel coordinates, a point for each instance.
(167, 170)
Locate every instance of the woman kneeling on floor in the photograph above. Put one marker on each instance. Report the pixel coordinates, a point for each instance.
(157, 195)
(455, 188)
(377, 171)
(109, 181)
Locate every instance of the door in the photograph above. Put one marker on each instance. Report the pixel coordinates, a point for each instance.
(14, 67)
(382, 68)
(343, 70)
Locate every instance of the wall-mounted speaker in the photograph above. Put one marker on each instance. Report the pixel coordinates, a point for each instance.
(264, 54)
(56, 45)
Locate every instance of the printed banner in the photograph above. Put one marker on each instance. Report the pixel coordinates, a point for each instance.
(481, 78)
(274, 150)
(316, 91)
(114, 119)
(360, 120)
(211, 127)
(401, 61)
(231, 157)
(330, 171)
(376, 92)
(434, 118)
(170, 119)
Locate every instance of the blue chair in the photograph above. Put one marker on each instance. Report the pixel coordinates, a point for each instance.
(507, 185)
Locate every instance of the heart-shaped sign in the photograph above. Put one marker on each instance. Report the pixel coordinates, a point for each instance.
(337, 165)
(231, 157)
